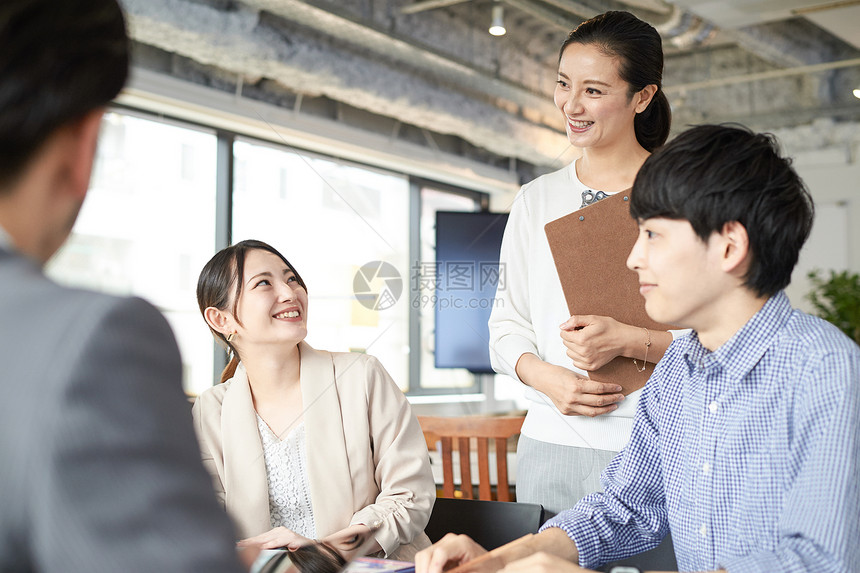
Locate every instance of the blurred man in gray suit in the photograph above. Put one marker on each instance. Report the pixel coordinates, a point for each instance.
(99, 467)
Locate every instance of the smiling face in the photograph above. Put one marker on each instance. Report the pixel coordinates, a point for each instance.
(595, 101)
(681, 277)
(272, 305)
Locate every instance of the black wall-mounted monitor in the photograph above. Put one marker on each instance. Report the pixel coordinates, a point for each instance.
(468, 272)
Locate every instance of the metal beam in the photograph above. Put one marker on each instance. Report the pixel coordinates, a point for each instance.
(400, 49)
(429, 5)
(406, 83)
(547, 16)
(758, 76)
(575, 8)
(803, 10)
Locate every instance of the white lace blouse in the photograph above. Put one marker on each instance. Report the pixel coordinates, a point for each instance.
(287, 476)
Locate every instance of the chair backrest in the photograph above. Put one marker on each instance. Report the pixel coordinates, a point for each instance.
(482, 429)
(490, 523)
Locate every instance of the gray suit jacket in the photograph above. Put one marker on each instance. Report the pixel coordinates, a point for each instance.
(99, 465)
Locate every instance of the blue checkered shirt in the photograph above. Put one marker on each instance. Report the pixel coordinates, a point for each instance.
(748, 454)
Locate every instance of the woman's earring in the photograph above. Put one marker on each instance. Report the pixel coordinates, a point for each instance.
(231, 336)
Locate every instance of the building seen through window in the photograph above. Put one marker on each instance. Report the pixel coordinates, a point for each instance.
(149, 225)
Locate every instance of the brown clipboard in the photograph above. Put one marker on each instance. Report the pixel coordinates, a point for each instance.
(590, 249)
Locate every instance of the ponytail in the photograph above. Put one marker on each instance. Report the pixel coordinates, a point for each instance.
(230, 369)
(652, 125)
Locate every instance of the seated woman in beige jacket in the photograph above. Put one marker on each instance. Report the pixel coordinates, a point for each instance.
(303, 443)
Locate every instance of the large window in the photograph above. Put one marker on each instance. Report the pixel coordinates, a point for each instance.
(148, 227)
(357, 235)
(342, 227)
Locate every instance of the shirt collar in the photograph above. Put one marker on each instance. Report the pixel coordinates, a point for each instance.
(738, 355)
(6, 240)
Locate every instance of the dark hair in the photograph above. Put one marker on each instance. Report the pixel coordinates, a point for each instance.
(639, 49)
(316, 558)
(715, 174)
(222, 277)
(58, 61)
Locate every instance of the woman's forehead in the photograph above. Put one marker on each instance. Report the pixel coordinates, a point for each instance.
(263, 258)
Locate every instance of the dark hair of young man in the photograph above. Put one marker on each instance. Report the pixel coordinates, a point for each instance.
(58, 61)
(714, 174)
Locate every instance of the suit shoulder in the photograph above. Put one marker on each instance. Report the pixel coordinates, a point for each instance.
(59, 324)
(38, 295)
(130, 314)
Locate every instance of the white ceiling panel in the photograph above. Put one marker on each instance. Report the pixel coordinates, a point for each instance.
(842, 22)
(730, 14)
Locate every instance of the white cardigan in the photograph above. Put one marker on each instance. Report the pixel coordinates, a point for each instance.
(530, 308)
(367, 460)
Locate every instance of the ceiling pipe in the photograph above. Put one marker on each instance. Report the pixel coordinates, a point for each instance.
(544, 15)
(579, 10)
(758, 76)
(429, 5)
(696, 34)
(401, 50)
(672, 22)
(687, 28)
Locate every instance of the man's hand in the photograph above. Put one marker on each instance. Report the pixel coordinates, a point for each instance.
(543, 563)
(449, 551)
(572, 394)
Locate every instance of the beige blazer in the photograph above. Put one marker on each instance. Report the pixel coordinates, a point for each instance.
(367, 460)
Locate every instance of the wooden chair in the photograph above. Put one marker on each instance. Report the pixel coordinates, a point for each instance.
(465, 429)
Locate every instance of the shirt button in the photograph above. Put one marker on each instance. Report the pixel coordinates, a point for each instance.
(703, 531)
(712, 407)
(706, 467)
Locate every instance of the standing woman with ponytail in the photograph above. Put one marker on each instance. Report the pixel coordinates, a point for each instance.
(609, 92)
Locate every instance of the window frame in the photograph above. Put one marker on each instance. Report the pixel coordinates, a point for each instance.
(224, 189)
(483, 201)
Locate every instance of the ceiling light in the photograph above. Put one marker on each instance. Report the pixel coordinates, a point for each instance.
(857, 93)
(497, 28)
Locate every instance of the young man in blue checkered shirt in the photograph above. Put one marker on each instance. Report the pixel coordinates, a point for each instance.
(747, 436)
